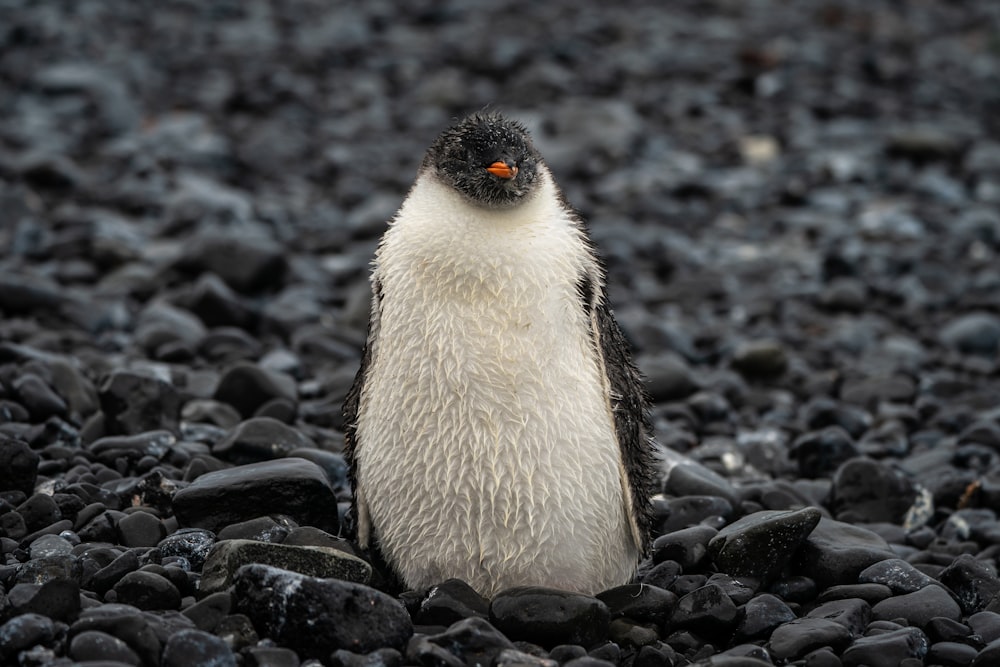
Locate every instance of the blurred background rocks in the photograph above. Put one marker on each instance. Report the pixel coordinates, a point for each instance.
(798, 206)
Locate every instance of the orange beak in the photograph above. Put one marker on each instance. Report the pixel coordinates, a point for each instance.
(502, 170)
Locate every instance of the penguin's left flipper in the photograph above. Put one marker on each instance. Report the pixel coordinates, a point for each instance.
(628, 403)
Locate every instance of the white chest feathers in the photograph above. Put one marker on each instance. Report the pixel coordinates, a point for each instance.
(486, 446)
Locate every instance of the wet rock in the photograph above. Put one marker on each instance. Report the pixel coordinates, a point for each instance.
(630, 634)
(820, 453)
(669, 378)
(639, 602)
(973, 581)
(247, 263)
(59, 599)
(115, 105)
(155, 444)
(261, 529)
(105, 578)
(136, 629)
(318, 616)
(796, 638)
(473, 641)
(196, 647)
(662, 576)
(383, 657)
(837, 552)
(38, 397)
(333, 464)
(24, 631)
(760, 359)
(141, 529)
(686, 547)
(295, 487)
(986, 624)
(897, 574)
(191, 544)
(924, 142)
(511, 657)
(945, 629)
(450, 602)
(853, 614)
(988, 655)
(147, 590)
(210, 411)
(420, 650)
(48, 568)
(919, 607)
(549, 617)
(973, 333)
(48, 546)
(161, 324)
(707, 609)
(218, 305)
(134, 403)
(762, 544)
(39, 511)
(950, 653)
(870, 391)
(761, 615)
(888, 649)
(684, 477)
(18, 465)
(822, 412)
(247, 386)
(228, 556)
(676, 513)
(260, 439)
(209, 611)
(93, 645)
(865, 490)
(273, 656)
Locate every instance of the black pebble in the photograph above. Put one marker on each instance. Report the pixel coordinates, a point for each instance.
(196, 647)
(147, 590)
(449, 602)
(549, 617)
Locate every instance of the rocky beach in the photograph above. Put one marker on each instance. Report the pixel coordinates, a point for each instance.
(799, 208)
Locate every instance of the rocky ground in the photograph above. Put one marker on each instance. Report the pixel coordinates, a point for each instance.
(798, 204)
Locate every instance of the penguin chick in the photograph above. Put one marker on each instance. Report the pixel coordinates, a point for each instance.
(496, 431)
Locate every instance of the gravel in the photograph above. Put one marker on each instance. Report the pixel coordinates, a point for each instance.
(797, 203)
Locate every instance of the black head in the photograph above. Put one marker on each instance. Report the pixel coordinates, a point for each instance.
(487, 158)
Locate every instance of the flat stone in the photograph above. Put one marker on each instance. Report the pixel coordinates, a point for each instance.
(919, 607)
(318, 616)
(196, 647)
(260, 439)
(837, 552)
(228, 556)
(794, 639)
(293, 486)
(897, 574)
(889, 649)
(549, 617)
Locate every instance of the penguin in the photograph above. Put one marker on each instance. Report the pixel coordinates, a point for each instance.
(497, 430)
